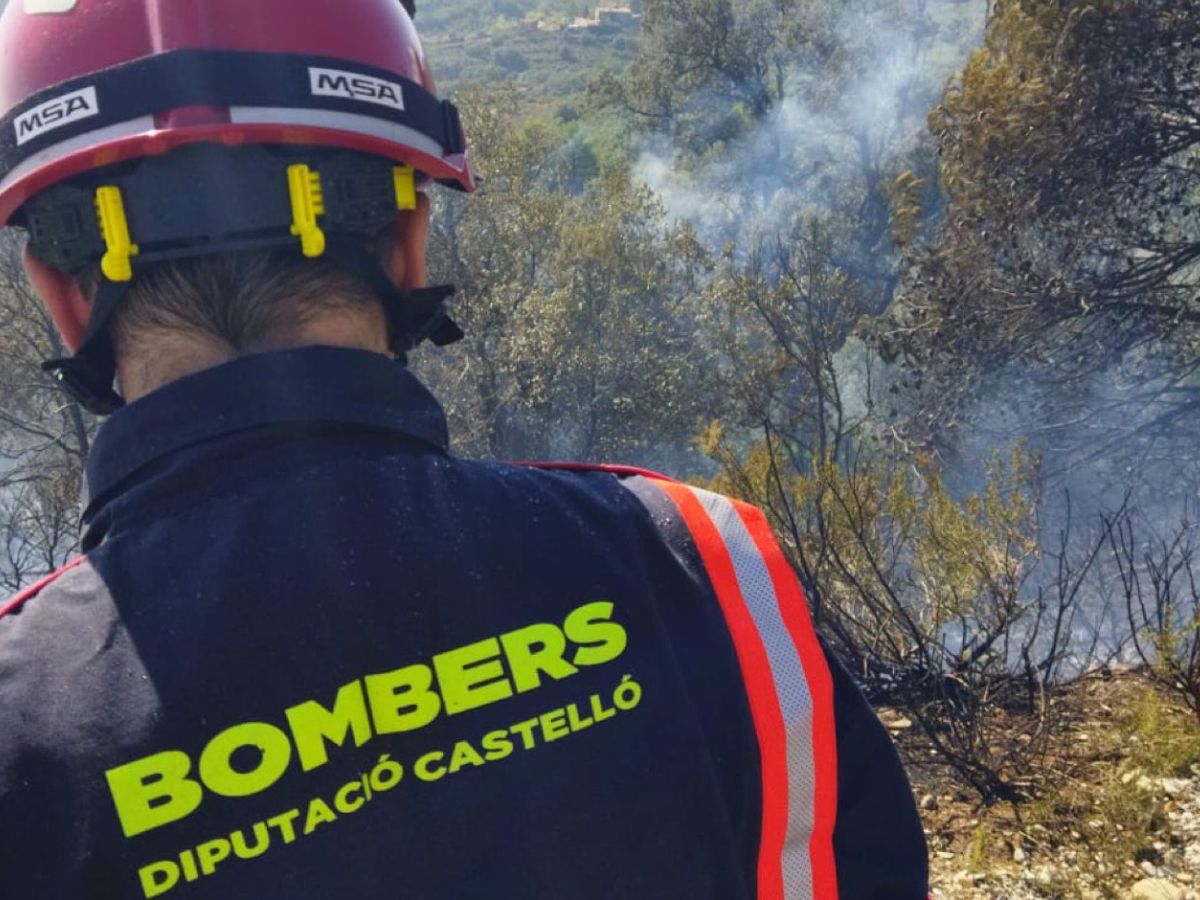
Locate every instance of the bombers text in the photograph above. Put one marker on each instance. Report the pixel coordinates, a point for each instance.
(162, 788)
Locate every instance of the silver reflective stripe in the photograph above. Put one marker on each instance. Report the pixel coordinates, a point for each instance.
(791, 689)
(338, 121)
(245, 115)
(79, 142)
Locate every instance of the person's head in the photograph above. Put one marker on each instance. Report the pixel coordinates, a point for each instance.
(182, 315)
(216, 177)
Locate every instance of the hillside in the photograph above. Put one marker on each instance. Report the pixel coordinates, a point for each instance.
(522, 43)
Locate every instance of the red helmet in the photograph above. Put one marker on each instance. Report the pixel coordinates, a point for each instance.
(139, 131)
(88, 83)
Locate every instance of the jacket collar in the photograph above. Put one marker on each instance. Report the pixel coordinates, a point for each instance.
(306, 386)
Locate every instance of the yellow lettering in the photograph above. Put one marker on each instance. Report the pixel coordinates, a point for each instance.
(554, 725)
(274, 754)
(318, 814)
(188, 861)
(312, 725)
(472, 676)
(153, 791)
(262, 842)
(599, 712)
(603, 640)
(574, 721)
(525, 730)
(425, 768)
(342, 801)
(158, 878)
(402, 700)
(211, 853)
(533, 650)
(497, 744)
(464, 755)
(283, 822)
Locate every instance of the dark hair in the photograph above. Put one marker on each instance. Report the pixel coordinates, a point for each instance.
(246, 300)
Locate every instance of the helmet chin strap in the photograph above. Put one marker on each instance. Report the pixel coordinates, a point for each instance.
(88, 376)
(413, 317)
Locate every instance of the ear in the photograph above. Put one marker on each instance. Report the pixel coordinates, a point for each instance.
(405, 260)
(63, 298)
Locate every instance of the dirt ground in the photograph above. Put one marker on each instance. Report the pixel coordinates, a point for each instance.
(1116, 813)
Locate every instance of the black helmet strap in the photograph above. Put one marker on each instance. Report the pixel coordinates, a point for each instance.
(224, 200)
(88, 376)
(413, 317)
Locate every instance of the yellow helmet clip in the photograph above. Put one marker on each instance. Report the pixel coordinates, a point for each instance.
(406, 187)
(308, 203)
(114, 228)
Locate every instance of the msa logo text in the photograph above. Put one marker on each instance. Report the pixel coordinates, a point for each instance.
(56, 113)
(39, 7)
(355, 86)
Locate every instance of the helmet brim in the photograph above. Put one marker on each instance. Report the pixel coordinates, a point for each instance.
(234, 127)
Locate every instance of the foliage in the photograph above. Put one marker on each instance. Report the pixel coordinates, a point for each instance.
(546, 66)
(735, 51)
(788, 310)
(1139, 741)
(935, 600)
(1157, 579)
(1071, 164)
(44, 439)
(542, 269)
(1162, 742)
(795, 111)
(977, 853)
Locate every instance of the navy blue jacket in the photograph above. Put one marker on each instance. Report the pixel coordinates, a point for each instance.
(309, 654)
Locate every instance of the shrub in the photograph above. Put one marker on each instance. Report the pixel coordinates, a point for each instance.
(946, 608)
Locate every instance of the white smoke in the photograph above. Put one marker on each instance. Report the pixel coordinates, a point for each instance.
(799, 160)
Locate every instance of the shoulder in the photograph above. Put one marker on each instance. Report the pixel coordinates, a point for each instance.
(46, 626)
(17, 602)
(619, 471)
(44, 633)
(691, 520)
(703, 512)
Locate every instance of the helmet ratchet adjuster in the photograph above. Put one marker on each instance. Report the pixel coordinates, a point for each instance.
(202, 200)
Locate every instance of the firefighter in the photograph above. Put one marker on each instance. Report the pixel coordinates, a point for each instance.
(307, 652)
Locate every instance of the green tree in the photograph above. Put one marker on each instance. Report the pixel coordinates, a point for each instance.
(1070, 150)
(582, 310)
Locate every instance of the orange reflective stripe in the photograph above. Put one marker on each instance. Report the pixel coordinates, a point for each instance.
(760, 687)
(794, 608)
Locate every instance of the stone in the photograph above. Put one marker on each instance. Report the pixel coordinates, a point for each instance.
(929, 803)
(1156, 889)
(1045, 874)
(1173, 787)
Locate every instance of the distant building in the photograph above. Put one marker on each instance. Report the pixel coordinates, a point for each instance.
(620, 16)
(609, 18)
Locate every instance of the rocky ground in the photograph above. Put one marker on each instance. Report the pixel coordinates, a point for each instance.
(1118, 815)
